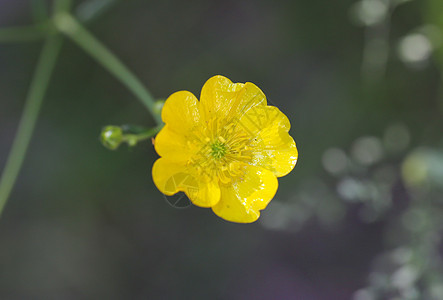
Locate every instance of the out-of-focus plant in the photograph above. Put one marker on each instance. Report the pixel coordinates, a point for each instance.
(435, 22)
(375, 16)
(412, 268)
(384, 178)
(51, 25)
(434, 15)
(368, 177)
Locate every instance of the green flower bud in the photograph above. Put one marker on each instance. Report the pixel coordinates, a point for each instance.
(111, 137)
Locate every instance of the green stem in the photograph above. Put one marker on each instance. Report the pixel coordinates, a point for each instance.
(133, 138)
(37, 90)
(23, 33)
(113, 136)
(81, 36)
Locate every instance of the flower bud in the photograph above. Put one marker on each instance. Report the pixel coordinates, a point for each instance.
(111, 137)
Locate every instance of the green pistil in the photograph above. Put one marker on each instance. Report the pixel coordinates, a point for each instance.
(218, 150)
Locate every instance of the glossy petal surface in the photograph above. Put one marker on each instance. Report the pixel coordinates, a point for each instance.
(273, 147)
(172, 177)
(242, 201)
(174, 146)
(224, 151)
(225, 100)
(181, 112)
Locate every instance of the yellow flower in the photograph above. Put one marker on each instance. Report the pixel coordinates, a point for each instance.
(224, 151)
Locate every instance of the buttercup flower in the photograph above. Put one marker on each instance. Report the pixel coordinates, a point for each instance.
(224, 151)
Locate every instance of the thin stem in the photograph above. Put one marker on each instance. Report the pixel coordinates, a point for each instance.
(81, 36)
(23, 33)
(134, 138)
(113, 136)
(37, 90)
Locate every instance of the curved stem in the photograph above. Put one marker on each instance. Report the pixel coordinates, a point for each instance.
(81, 36)
(37, 90)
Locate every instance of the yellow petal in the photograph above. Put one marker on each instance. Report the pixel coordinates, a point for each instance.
(242, 201)
(259, 117)
(181, 112)
(273, 148)
(207, 195)
(171, 177)
(172, 145)
(223, 99)
(280, 159)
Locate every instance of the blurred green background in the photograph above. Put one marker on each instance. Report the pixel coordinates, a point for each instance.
(360, 217)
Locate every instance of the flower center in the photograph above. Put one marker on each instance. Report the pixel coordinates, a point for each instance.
(223, 152)
(218, 149)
